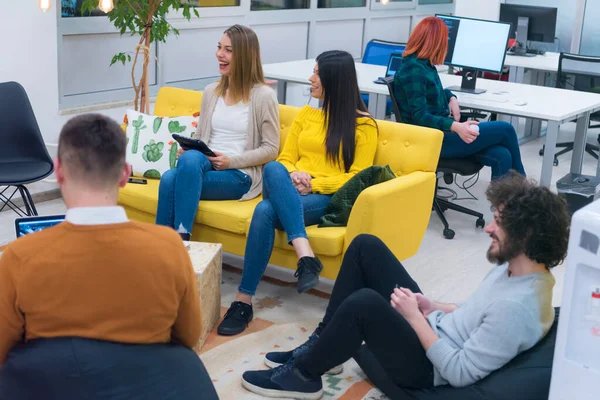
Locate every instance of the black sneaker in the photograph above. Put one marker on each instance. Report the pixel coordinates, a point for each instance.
(284, 381)
(276, 358)
(236, 319)
(308, 272)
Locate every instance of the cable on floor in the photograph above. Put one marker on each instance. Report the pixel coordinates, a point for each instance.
(467, 184)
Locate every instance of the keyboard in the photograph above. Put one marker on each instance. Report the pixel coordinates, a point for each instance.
(536, 51)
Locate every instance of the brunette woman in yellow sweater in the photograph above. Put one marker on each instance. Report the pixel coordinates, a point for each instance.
(324, 149)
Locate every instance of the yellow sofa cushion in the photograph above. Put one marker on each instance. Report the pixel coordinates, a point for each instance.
(229, 215)
(324, 241)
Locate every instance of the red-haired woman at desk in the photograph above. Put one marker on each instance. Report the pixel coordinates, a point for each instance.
(423, 101)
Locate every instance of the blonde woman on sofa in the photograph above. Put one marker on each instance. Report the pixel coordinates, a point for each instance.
(239, 120)
(323, 150)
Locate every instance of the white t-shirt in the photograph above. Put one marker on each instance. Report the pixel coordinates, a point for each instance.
(229, 128)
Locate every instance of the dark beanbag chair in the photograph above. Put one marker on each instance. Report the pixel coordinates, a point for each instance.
(85, 369)
(526, 377)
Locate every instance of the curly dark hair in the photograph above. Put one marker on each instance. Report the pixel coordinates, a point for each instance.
(536, 221)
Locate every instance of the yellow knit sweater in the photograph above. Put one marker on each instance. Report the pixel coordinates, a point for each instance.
(304, 150)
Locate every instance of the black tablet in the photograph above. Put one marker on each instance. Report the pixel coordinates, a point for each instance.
(193, 144)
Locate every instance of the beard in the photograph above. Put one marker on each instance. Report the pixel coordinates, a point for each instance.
(505, 251)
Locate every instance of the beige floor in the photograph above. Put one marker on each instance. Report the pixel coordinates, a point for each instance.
(448, 270)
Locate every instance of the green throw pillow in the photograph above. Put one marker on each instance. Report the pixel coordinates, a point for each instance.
(340, 205)
(151, 150)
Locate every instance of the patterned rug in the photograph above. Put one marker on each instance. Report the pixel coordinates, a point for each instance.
(283, 319)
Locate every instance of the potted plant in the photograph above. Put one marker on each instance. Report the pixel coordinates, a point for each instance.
(148, 19)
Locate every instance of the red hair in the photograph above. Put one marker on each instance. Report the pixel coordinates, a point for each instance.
(429, 41)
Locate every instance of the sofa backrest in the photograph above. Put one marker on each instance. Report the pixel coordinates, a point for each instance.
(175, 102)
(405, 148)
(408, 148)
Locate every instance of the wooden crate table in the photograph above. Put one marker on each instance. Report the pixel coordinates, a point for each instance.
(207, 260)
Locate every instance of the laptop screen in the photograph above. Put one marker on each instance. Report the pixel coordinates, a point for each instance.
(393, 64)
(27, 225)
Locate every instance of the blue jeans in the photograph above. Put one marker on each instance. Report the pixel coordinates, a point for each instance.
(496, 146)
(283, 208)
(182, 188)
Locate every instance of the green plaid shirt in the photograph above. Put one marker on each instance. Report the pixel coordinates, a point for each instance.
(421, 97)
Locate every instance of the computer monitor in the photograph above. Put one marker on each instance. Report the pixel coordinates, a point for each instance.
(475, 45)
(393, 64)
(529, 23)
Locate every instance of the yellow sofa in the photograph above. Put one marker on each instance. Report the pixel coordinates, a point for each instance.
(396, 211)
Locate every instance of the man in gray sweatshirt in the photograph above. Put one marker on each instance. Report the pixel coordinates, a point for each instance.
(421, 343)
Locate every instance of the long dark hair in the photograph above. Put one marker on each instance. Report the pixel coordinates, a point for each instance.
(340, 104)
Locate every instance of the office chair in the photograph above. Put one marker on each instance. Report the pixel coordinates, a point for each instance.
(378, 52)
(23, 155)
(585, 74)
(447, 167)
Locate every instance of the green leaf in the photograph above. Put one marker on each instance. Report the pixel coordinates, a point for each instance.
(157, 124)
(152, 174)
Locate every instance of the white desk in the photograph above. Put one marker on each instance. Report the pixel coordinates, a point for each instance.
(539, 66)
(547, 62)
(556, 106)
(300, 71)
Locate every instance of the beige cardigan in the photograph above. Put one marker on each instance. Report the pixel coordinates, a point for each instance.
(262, 145)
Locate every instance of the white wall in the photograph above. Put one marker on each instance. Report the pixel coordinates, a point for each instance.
(482, 9)
(29, 56)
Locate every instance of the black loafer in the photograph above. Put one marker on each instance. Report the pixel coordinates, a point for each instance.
(236, 319)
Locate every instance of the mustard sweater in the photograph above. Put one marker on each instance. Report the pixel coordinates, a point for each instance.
(304, 150)
(130, 283)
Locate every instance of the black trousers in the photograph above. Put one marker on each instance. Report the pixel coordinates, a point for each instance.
(360, 310)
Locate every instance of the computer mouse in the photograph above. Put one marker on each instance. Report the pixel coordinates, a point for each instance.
(520, 102)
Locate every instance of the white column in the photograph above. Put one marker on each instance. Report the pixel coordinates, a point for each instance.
(578, 26)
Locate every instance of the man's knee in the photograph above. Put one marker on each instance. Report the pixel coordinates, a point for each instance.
(364, 299)
(366, 241)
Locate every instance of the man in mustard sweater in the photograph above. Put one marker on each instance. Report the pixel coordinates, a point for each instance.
(97, 276)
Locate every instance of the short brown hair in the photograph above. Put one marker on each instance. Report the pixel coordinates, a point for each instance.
(92, 149)
(246, 66)
(536, 221)
(429, 41)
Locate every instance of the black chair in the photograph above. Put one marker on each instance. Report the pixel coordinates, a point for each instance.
(580, 73)
(23, 155)
(448, 167)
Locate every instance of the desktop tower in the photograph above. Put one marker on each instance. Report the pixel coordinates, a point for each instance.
(576, 366)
